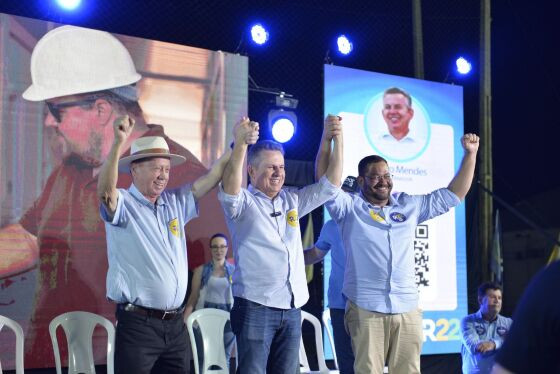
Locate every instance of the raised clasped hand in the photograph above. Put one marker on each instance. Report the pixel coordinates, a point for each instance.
(333, 127)
(470, 143)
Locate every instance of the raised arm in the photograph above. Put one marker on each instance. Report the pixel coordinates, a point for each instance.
(246, 133)
(208, 181)
(461, 183)
(329, 161)
(195, 292)
(109, 174)
(324, 152)
(334, 170)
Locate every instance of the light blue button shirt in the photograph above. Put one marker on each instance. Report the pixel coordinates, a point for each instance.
(330, 239)
(146, 248)
(476, 329)
(379, 272)
(267, 247)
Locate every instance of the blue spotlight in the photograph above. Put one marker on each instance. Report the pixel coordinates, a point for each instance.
(69, 4)
(344, 45)
(463, 65)
(282, 124)
(259, 34)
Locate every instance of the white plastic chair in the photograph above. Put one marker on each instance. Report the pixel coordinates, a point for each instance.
(18, 331)
(304, 363)
(211, 323)
(328, 326)
(78, 327)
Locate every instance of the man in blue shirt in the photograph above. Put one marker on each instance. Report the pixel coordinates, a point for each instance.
(330, 240)
(269, 284)
(484, 331)
(146, 246)
(377, 228)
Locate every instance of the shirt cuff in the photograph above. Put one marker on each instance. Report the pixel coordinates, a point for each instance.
(498, 343)
(105, 214)
(451, 198)
(223, 196)
(326, 183)
(323, 246)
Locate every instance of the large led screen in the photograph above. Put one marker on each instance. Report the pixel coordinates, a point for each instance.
(53, 256)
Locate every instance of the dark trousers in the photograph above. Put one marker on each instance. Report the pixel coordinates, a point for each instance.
(342, 342)
(150, 345)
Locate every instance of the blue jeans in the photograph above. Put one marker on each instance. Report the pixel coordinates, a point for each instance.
(267, 338)
(342, 342)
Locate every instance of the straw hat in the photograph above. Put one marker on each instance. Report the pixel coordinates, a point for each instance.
(149, 146)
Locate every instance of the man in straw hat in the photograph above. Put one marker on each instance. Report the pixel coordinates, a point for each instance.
(148, 274)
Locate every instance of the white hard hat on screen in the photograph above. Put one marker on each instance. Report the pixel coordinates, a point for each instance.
(72, 60)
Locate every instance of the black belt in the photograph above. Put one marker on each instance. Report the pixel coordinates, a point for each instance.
(154, 313)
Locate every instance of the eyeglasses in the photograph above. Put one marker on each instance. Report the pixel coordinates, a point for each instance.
(218, 246)
(377, 178)
(54, 109)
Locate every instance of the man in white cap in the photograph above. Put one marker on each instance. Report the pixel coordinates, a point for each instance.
(148, 276)
(87, 79)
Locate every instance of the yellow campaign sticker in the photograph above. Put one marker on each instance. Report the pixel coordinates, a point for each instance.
(174, 227)
(376, 217)
(292, 218)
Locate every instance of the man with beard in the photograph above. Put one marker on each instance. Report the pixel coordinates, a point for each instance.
(484, 331)
(377, 228)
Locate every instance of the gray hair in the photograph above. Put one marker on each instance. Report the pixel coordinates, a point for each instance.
(396, 90)
(263, 145)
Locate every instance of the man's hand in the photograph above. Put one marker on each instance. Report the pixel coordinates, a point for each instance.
(332, 128)
(122, 127)
(484, 347)
(470, 143)
(252, 136)
(246, 131)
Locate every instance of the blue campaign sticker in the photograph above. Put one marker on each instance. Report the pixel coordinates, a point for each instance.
(501, 330)
(480, 330)
(397, 217)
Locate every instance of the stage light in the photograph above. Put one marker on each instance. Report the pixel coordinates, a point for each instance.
(68, 4)
(259, 34)
(283, 124)
(463, 65)
(344, 45)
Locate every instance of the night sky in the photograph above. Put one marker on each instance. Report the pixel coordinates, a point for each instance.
(525, 77)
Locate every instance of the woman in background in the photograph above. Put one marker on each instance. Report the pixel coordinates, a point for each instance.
(211, 288)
